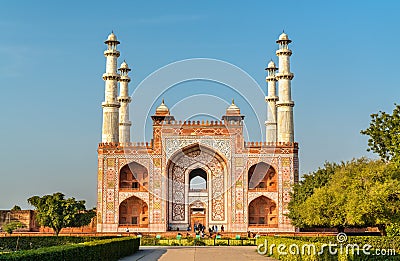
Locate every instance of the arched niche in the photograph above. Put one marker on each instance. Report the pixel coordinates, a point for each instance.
(133, 176)
(133, 212)
(262, 177)
(263, 213)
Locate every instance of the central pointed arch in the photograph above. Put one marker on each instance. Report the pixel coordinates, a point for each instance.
(184, 165)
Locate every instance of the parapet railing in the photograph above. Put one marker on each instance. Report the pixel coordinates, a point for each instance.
(250, 144)
(200, 123)
(146, 145)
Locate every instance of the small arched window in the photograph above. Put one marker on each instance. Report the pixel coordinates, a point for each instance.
(197, 179)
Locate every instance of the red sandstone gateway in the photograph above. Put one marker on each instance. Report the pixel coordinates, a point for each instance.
(196, 172)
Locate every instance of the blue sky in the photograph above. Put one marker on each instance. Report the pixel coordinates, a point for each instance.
(345, 61)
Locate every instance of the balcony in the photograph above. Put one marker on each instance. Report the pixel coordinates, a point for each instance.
(132, 186)
(197, 190)
(267, 189)
(134, 225)
(263, 225)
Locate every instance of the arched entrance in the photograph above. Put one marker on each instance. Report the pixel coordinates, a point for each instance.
(196, 173)
(263, 213)
(133, 212)
(198, 214)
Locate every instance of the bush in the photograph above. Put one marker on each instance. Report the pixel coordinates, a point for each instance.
(26, 243)
(190, 241)
(393, 230)
(106, 249)
(198, 242)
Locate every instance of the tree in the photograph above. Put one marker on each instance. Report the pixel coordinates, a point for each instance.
(305, 189)
(359, 193)
(384, 133)
(11, 226)
(15, 207)
(57, 212)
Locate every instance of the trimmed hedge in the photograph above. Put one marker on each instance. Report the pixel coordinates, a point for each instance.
(34, 242)
(294, 245)
(191, 241)
(106, 249)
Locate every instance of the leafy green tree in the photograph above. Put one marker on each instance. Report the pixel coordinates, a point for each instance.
(359, 193)
(57, 212)
(393, 230)
(12, 226)
(384, 133)
(305, 188)
(325, 208)
(15, 207)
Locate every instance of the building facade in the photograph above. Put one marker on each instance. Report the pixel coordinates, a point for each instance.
(196, 172)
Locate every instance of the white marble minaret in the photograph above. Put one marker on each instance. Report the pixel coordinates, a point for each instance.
(124, 99)
(271, 100)
(285, 103)
(111, 105)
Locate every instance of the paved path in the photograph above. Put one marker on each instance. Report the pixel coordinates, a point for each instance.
(170, 253)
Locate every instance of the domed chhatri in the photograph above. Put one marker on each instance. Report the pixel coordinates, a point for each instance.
(112, 38)
(271, 65)
(124, 65)
(284, 38)
(162, 109)
(233, 109)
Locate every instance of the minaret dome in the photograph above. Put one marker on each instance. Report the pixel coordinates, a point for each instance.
(233, 109)
(162, 110)
(111, 38)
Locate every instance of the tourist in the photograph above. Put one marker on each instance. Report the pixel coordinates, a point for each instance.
(195, 227)
(222, 228)
(127, 230)
(248, 234)
(188, 228)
